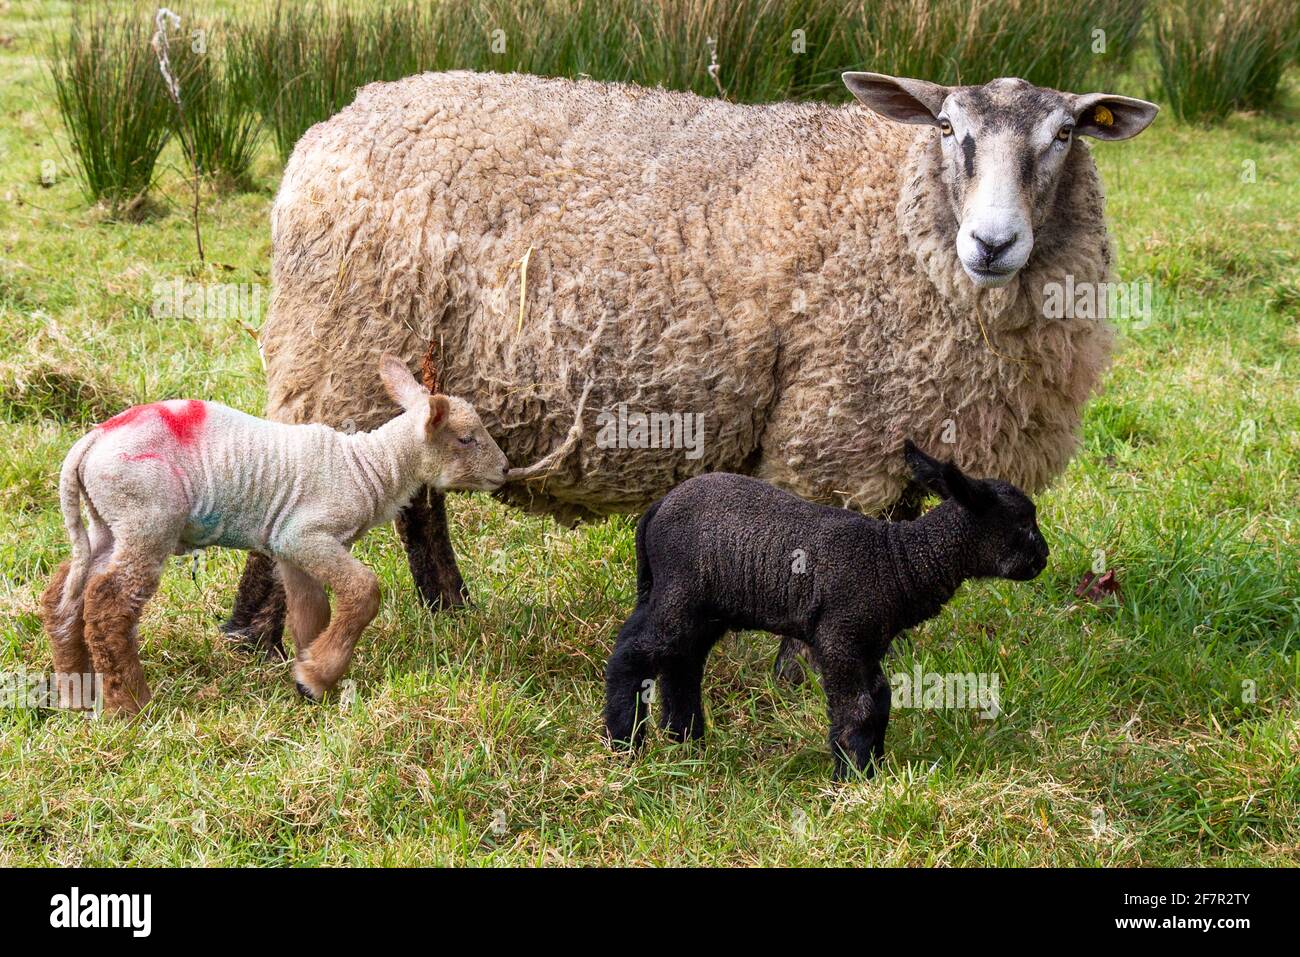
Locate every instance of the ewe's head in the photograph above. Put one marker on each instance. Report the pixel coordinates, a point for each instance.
(1003, 147)
(457, 452)
(1006, 541)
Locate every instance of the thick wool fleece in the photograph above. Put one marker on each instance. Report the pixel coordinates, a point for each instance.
(724, 552)
(786, 270)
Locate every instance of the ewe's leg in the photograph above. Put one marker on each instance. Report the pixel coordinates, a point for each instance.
(793, 660)
(114, 599)
(257, 619)
(422, 526)
(356, 599)
(854, 700)
(628, 674)
(307, 608)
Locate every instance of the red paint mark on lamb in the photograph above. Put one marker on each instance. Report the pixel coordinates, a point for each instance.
(184, 423)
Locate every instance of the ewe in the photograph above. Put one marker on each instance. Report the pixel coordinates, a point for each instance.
(174, 476)
(817, 282)
(726, 551)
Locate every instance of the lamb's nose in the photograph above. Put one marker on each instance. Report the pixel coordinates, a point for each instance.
(993, 247)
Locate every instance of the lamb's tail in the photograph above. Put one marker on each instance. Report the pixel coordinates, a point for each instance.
(70, 493)
(644, 580)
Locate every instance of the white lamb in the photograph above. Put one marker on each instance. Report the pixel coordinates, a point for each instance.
(174, 476)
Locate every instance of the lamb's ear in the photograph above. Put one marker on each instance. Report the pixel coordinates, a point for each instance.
(944, 479)
(970, 492)
(439, 408)
(898, 98)
(1109, 117)
(929, 472)
(399, 382)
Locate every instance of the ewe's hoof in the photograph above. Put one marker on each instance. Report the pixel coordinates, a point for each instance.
(793, 663)
(253, 642)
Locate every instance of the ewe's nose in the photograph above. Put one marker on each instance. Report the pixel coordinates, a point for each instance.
(990, 248)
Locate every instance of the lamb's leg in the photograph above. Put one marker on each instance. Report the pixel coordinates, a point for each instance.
(681, 709)
(628, 677)
(66, 632)
(114, 599)
(307, 608)
(256, 621)
(422, 526)
(65, 625)
(856, 693)
(356, 599)
(882, 697)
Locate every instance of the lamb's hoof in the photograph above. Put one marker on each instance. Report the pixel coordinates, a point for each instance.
(447, 601)
(306, 692)
(845, 772)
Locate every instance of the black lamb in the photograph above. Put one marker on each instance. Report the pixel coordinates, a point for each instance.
(725, 551)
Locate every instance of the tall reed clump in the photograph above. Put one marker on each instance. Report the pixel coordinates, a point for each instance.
(218, 120)
(974, 41)
(1216, 56)
(301, 63)
(113, 104)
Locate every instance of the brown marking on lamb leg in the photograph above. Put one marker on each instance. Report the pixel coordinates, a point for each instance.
(422, 526)
(66, 631)
(356, 602)
(256, 621)
(114, 599)
(307, 608)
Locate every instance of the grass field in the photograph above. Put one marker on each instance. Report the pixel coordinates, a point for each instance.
(1161, 730)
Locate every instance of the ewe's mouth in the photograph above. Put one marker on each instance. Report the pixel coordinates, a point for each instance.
(990, 278)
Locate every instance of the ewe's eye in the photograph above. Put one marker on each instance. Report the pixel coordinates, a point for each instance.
(467, 440)
(945, 128)
(1064, 133)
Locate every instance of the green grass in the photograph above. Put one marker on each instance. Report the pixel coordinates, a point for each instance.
(113, 102)
(1188, 480)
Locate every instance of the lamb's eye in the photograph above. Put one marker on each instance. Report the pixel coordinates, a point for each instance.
(945, 128)
(1064, 133)
(467, 440)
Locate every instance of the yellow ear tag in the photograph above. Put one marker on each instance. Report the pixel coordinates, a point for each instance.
(1102, 116)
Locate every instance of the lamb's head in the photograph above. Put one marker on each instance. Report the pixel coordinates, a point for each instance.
(1003, 148)
(1005, 540)
(456, 451)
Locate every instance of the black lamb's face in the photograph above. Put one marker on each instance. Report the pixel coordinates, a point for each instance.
(1003, 147)
(1005, 540)
(1012, 545)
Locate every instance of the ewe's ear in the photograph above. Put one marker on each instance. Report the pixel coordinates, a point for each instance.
(898, 98)
(399, 382)
(1109, 117)
(439, 407)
